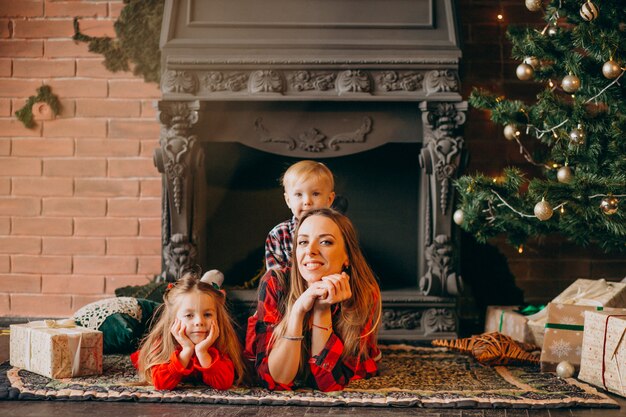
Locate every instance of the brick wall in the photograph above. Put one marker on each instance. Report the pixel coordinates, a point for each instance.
(80, 197)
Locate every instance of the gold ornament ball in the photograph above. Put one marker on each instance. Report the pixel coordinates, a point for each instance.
(543, 210)
(609, 204)
(570, 83)
(524, 72)
(533, 5)
(458, 217)
(611, 69)
(564, 175)
(565, 370)
(511, 132)
(589, 11)
(577, 136)
(533, 61)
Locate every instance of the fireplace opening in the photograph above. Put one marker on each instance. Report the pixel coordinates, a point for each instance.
(241, 199)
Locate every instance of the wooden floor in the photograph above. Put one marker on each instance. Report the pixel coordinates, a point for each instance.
(97, 408)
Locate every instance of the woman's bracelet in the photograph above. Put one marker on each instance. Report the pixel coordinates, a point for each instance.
(322, 327)
(295, 338)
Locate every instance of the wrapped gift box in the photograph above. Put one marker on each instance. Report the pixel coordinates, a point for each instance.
(563, 338)
(603, 357)
(583, 292)
(56, 349)
(506, 320)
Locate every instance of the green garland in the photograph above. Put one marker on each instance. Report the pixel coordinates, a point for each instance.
(44, 94)
(136, 44)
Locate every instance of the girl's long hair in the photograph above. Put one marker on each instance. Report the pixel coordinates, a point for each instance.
(359, 316)
(159, 344)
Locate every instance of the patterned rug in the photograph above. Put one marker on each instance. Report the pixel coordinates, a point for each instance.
(409, 377)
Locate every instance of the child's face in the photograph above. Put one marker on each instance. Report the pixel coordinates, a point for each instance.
(196, 311)
(308, 194)
(320, 248)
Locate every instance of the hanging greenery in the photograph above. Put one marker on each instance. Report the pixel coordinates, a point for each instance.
(44, 94)
(136, 45)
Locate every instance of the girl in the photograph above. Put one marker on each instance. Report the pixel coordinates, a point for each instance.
(193, 339)
(320, 325)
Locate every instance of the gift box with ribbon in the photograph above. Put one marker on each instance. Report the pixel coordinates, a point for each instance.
(603, 357)
(56, 349)
(563, 338)
(511, 321)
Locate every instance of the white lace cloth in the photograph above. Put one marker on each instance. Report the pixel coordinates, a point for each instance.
(93, 315)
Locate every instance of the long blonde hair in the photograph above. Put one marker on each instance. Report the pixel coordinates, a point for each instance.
(159, 344)
(356, 312)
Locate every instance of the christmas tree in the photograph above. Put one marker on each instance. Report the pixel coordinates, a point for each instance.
(580, 120)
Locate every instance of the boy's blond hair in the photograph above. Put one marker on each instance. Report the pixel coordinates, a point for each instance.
(306, 169)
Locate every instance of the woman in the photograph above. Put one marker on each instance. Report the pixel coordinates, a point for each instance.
(317, 321)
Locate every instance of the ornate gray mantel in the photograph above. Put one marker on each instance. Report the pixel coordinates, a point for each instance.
(362, 58)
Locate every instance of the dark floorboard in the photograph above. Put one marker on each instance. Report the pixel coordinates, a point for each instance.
(92, 409)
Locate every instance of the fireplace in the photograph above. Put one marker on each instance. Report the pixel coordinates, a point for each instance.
(370, 88)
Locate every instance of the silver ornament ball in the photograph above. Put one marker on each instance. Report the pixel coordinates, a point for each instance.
(533, 5)
(577, 136)
(589, 11)
(524, 72)
(609, 205)
(570, 83)
(564, 175)
(565, 370)
(553, 30)
(533, 61)
(543, 210)
(511, 132)
(458, 217)
(611, 69)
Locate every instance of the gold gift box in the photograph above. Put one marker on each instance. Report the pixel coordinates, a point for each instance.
(56, 349)
(603, 357)
(505, 320)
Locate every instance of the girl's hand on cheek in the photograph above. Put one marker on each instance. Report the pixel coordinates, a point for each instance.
(179, 333)
(209, 340)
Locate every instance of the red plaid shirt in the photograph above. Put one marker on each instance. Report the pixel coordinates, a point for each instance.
(327, 371)
(279, 245)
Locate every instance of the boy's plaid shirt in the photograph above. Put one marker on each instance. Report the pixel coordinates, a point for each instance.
(279, 245)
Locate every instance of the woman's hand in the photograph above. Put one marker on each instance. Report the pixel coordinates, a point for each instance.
(306, 301)
(203, 346)
(337, 288)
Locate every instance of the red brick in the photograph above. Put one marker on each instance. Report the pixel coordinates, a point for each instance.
(5, 147)
(75, 8)
(6, 28)
(20, 48)
(13, 166)
(5, 263)
(74, 207)
(115, 9)
(108, 108)
(30, 68)
(20, 283)
(84, 128)
(5, 305)
(32, 29)
(6, 68)
(42, 186)
(107, 187)
(43, 147)
(148, 147)
(21, 8)
(18, 88)
(149, 227)
(105, 227)
(76, 167)
(134, 89)
(133, 246)
(73, 284)
(148, 109)
(132, 167)
(5, 108)
(5, 186)
(79, 88)
(97, 27)
(151, 187)
(67, 108)
(73, 246)
(79, 301)
(94, 68)
(67, 49)
(110, 265)
(14, 127)
(149, 265)
(41, 264)
(124, 207)
(41, 305)
(610, 270)
(5, 225)
(41, 226)
(114, 282)
(20, 205)
(107, 147)
(20, 244)
(140, 129)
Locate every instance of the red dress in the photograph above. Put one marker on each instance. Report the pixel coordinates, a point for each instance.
(328, 371)
(166, 376)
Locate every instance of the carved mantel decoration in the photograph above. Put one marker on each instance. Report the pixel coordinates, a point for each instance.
(389, 74)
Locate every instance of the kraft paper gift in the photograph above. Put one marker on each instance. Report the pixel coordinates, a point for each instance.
(583, 292)
(56, 349)
(506, 320)
(603, 358)
(563, 338)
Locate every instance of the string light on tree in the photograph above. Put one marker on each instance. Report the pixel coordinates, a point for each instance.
(543, 210)
(511, 132)
(609, 205)
(611, 69)
(589, 11)
(570, 83)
